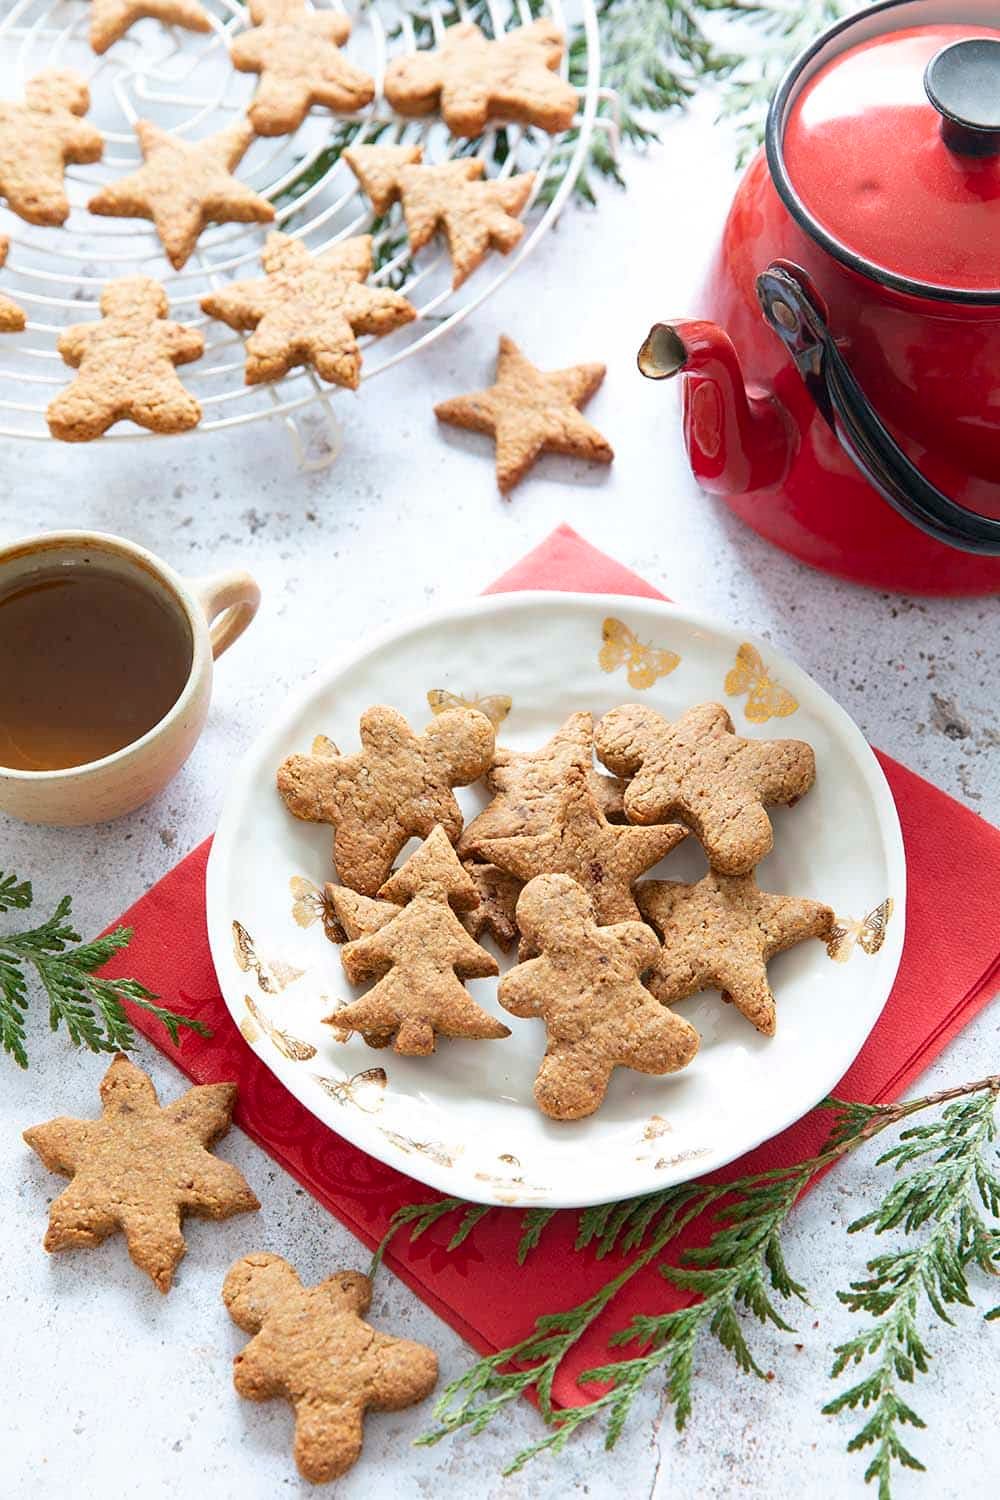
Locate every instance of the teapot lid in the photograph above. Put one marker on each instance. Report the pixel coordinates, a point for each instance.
(884, 142)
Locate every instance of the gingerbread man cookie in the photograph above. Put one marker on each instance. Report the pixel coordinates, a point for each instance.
(297, 54)
(473, 80)
(140, 1168)
(12, 318)
(185, 185)
(38, 138)
(312, 1346)
(529, 412)
(399, 784)
(420, 958)
(586, 988)
(475, 216)
(308, 309)
(110, 19)
(701, 772)
(126, 363)
(721, 934)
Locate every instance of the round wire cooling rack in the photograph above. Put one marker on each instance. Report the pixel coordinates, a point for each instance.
(184, 82)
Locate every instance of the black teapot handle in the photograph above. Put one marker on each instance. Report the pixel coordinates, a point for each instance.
(792, 309)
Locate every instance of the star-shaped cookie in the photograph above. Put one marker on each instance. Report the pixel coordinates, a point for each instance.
(312, 1346)
(12, 318)
(126, 363)
(579, 841)
(110, 19)
(398, 784)
(185, 185)
(308, 309)
(38, 138)
(297, 54)
(473, 80)
(586, 988)
(527, 784)
(140, 1168)
(721, 934)
(701, 772)
(530, 411)
(474, 216)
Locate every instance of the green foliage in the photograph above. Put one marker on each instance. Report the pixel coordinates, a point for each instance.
(88, 1006)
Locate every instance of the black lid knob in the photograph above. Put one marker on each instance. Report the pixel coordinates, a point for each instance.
(963, 84)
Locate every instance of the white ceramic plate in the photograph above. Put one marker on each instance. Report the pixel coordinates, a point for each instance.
(463, 1120)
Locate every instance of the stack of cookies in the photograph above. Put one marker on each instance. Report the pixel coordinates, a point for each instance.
(553, 865)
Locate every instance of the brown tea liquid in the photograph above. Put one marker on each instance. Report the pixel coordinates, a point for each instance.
(89, 661)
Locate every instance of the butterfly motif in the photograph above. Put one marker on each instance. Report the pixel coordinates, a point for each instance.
(309, 905)
(324, 747)
(445, 1156)
(868, 934)
(643, 663)
(288, 1045)
(767, 699)
(363, 1090)
(496, 706)
(273, 977)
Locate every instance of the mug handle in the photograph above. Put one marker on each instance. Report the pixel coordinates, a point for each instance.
(230, 601)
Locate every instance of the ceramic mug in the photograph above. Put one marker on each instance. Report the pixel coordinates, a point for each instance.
(216, 611)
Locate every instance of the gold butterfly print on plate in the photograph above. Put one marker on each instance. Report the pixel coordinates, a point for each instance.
(288, 1045)
(309, 905)
(365, 1090)
(766, 698)
(272, 977)
(496, 706)
(324, 747)
(643, 663)
(868, 934)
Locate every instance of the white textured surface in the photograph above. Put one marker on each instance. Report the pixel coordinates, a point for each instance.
(113, 1391)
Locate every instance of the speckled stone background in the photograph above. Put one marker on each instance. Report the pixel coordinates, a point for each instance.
(112, 1391)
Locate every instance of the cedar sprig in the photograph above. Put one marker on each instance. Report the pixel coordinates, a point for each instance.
(91, 1008)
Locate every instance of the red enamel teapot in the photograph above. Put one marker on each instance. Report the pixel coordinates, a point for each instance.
(845, 397)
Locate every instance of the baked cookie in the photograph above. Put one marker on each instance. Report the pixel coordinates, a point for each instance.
(527, 784)
(126, 363)
(355, 915)
(580, 842)
(312, 1346)
(308, 309)
(473, 80)
(12, 318)
(37, 140)
(721, 934)
(398, 784)
(419, 959)
(110, 19)
(185, 185)
(530, 411)
(297, 54)
(586, 988)
(474, 216)
(700, 772)
(496, 912)
(140, 1168)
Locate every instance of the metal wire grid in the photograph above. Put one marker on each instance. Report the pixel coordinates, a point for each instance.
(185, 82)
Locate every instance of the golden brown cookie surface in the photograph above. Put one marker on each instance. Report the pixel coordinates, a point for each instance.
(110, 19)
(579, 841)
(307, 310)
(721, 933)
(356, 915)
(312, 1346)
(473, 80)
(586, 988)
(38, 138)
(399, 784)
(185, 185)
(530, 411)
(140, 1168)
(474, 216)
(496, 912)
(126, 363)
(297, 54)
(12, 318)
(419, 959)
(701, 772)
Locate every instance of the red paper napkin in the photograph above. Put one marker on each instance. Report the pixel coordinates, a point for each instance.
(950, 968)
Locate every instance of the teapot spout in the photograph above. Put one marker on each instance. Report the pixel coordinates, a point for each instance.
(737, 440)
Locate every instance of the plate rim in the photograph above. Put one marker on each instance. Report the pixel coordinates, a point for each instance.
(422, 1168)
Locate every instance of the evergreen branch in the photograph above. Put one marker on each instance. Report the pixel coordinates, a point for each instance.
(91, 1008)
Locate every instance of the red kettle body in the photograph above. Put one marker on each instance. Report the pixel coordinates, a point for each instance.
(843, 394)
